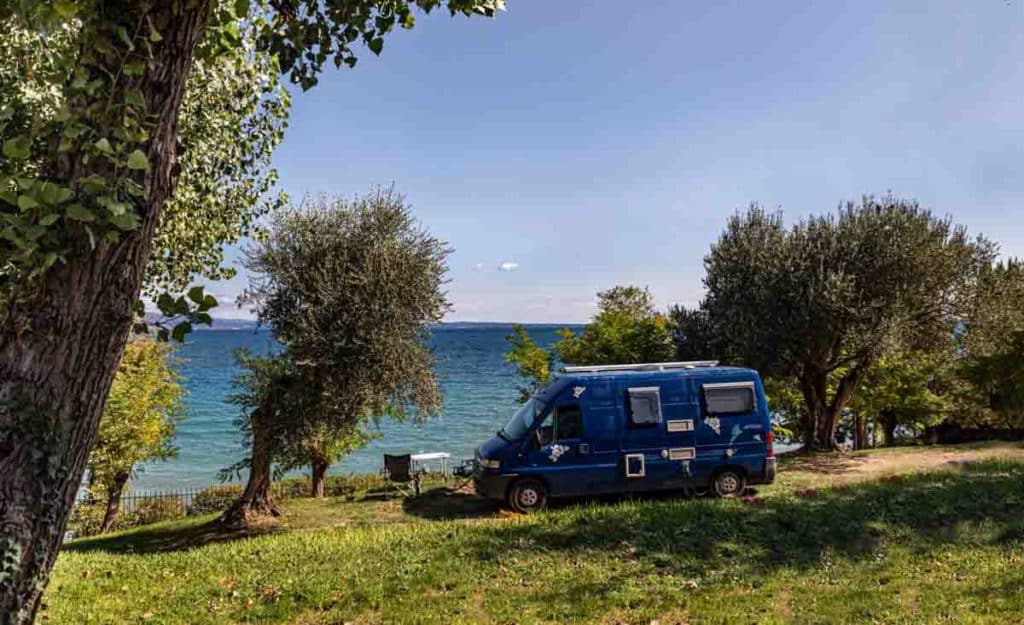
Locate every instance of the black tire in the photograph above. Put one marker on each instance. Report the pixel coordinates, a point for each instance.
(527, 496)
(728, 483)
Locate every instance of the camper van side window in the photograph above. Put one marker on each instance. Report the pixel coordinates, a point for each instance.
(645, 405)
(726, 401)
(568, 422)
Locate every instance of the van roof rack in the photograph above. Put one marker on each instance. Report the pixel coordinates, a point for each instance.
(644, 366)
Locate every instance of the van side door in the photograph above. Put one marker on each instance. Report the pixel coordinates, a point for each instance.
(554, 449)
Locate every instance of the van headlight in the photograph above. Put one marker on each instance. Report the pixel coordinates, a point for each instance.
(490, 463)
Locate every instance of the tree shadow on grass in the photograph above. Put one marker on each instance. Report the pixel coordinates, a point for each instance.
(173, 536)
(446, 503)
(918, 512)
(820, 463)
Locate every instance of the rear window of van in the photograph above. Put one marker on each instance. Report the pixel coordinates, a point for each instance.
(726, 400)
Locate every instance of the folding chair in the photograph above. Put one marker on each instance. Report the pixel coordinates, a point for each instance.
(463, 474)
(398, 473)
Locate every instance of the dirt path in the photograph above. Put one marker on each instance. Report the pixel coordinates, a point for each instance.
(865, 465)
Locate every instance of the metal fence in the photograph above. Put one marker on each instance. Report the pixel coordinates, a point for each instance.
(134, 498)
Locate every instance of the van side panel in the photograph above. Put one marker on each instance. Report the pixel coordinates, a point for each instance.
(737, 440)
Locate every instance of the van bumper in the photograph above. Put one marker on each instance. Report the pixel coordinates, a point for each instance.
(492, 485)
(769, 470)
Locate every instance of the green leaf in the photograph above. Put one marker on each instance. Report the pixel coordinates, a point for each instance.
(125, 221)
(27, 202)
(196, 294)
(53, 194)
(165, 303)
(49, 220)
(103, 145)
(65, 9)
(241, 8)
(79, 213)
(375, 45)
(134, 98)
(180, 330)
(18, 148)
(12, 236)
(122, 34)
(137, 160)
(154, 34)
(209, 302)
(204, 318)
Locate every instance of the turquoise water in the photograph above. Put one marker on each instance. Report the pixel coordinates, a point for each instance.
(479, 396)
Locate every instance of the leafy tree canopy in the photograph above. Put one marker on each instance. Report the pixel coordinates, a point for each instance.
(834, 291)
(626, 329)
(139, 419)
(232, 118)
(349, 288)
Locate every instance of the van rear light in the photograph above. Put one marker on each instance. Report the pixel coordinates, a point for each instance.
(770, 442)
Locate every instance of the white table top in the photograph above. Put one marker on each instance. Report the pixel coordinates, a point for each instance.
(434, 455)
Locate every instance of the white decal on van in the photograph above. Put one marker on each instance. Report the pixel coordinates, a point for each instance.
(714, 424)
(577, 391)
(556, 452)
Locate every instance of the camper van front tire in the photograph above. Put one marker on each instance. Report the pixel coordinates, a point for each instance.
(728, 483)
(528, 496)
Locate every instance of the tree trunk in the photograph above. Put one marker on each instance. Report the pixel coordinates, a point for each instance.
(813, 386)
(319, 471)
(860, 431)
(113, 501)
(889, 427)
(257, 500)
(61, 341)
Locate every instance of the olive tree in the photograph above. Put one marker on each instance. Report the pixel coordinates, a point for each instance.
(992, 348)
(349, 288)
(81, 196)
(821, 302)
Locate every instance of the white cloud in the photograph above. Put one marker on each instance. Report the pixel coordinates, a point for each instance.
(508, 266)
(478, 267)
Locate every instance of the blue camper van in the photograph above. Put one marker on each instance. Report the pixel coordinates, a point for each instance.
(631, 428)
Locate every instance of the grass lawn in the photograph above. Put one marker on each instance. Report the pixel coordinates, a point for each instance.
(895, 536)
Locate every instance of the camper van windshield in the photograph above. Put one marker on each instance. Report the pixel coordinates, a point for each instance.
(517, 427)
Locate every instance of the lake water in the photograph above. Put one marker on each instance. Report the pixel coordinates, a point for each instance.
(479, 396)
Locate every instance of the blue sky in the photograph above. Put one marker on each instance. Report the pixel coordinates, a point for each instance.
(587, 144)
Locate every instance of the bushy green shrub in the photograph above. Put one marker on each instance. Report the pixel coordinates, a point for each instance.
(86, 519)
(214, 498)
(155, 510)
(347, 486)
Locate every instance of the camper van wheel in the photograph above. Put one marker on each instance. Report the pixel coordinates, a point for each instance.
(728, 483)
(528, 496)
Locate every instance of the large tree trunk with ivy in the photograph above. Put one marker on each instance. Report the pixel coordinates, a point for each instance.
(113, 506)
(257, 500)
(60, 343)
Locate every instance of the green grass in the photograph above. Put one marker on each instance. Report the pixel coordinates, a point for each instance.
(945, 545)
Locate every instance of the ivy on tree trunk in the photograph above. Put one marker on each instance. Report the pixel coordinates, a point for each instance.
(60, 345)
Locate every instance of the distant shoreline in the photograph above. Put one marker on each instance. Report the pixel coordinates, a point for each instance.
(251, 325)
